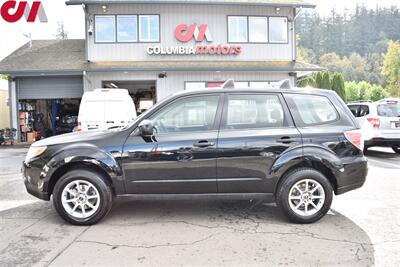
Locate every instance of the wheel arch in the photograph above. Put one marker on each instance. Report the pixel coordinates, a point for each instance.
(85, 165)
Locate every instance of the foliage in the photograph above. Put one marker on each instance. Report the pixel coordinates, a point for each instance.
(338, 85)
(3, 76)
(364, 91)
(391, 68)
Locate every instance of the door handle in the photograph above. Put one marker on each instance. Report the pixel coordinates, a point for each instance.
(285, 140)
(203, 143)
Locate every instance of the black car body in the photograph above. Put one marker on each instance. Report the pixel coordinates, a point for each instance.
(220, 143)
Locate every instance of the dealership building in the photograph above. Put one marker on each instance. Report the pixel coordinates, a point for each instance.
(153, 49)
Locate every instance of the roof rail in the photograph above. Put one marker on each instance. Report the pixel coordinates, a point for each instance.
(285, 84)
(229, 84)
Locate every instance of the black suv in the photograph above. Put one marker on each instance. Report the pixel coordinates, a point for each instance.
(295, 147)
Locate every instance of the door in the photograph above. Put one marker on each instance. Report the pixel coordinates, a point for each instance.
(255, 130)
(181, 156)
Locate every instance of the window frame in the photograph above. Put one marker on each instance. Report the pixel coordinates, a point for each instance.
(217, 119)
(247, 29)
(268, 33)
(287, 30)
(297, 117)
(95, 29)
(287, 120)
(137, 28)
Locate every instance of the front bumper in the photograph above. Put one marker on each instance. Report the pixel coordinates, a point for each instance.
(34, 185)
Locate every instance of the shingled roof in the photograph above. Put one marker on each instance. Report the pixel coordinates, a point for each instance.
(63, 56)
(46, 55)
(280, 3)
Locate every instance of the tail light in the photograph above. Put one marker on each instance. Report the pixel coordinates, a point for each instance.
(355, 137)
(79, 127)
(376, 123)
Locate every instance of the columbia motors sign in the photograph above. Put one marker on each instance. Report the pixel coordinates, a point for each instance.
(13, 11)
(199, 33)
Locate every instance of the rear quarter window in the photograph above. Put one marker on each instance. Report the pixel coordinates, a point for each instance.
(309, 110)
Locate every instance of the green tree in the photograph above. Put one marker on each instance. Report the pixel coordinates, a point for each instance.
(326, 81)
(338, 85)
(351, 91)
(391, 68)
(376, 92)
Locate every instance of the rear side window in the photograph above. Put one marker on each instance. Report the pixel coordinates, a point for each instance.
(364, 111)
(312, 109)
(354, 110)
(254, 111)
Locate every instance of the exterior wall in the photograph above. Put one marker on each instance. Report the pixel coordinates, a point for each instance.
(175, 81)
(172, 15)
(4, 109)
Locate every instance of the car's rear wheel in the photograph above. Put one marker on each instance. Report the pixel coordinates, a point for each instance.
(82, 197)
(304, 195)
(396, 149)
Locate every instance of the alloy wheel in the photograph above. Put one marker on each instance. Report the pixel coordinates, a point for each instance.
(80, 199)
(306, 197)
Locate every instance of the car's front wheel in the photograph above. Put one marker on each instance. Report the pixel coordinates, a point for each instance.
(396, 149)
(304, 195)
(82, 197)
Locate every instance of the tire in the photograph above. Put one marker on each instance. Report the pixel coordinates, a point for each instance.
(99, 196)
(365, 149)
(300, 177)
(396, 149)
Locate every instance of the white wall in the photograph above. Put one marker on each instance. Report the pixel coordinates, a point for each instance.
(175, 81)
(172, 15)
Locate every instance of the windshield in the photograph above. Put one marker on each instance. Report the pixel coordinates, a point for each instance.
(389, 110)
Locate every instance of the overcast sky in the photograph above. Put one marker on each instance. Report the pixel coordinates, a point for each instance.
(12, 34)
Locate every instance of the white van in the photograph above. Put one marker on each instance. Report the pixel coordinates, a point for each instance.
(105, 109)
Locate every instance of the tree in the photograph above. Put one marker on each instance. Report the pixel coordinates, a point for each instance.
(3, 76)
(326, 81)
(351, 91)
(391, 68)
(338, 85)
(376, 92)
(61, 32)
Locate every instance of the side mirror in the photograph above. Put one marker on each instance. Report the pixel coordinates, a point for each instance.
(146, 128)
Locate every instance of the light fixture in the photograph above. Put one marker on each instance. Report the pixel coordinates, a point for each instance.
(104, 7)
(277, 10)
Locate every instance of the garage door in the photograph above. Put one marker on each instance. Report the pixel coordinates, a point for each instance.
(50, 87)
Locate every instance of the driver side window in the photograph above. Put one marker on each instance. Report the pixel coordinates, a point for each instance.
(190, 114)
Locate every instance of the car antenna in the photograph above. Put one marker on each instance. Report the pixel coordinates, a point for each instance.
(229, 84)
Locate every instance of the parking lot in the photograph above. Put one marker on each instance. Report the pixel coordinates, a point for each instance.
(362, 228)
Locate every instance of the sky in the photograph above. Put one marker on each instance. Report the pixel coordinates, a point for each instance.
(12, 34)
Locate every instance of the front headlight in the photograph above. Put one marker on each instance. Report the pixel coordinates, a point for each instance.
(35, 151)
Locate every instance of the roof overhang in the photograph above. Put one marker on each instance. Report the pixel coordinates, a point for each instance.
(296, 4)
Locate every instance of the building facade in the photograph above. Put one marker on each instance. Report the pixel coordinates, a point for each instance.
(153, 49)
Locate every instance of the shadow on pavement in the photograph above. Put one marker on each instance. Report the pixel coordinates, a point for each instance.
(382, 154)
(171, 233)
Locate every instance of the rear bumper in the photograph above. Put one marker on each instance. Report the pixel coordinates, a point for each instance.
(386, 142)
(352, 176)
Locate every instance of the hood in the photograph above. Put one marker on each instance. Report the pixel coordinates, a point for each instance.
(74, 137)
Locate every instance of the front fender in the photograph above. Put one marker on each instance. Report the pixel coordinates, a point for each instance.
(82, 153)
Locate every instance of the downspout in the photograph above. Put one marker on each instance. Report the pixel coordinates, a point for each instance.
(294, 48)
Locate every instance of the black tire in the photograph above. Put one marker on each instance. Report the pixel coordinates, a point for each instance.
(396, 149)
(365, 149)
(98, 181)
(289, 180)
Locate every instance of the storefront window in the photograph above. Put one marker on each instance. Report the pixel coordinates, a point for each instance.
(278, 30)
(258, 29)
(149, 28)
(127, 28)
(105, 29)
(237, 29)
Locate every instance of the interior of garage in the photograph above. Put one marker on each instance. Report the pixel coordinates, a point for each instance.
(143, 93)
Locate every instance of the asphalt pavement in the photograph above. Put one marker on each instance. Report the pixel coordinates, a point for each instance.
(362, 228)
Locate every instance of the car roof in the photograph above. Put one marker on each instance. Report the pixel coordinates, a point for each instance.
(218, 90)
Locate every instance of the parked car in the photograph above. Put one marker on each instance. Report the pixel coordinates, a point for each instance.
(296, 147)
(380, 122)
(105, 109)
